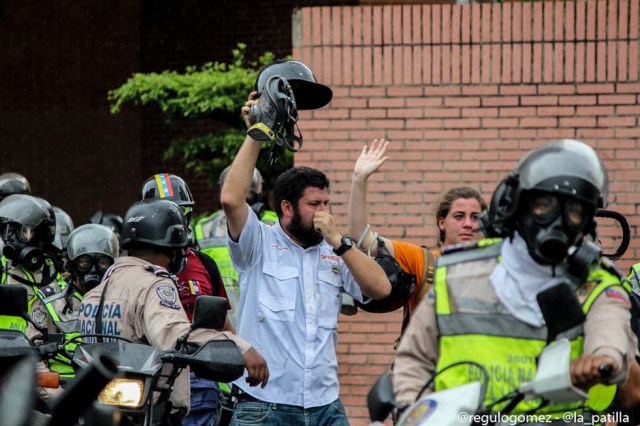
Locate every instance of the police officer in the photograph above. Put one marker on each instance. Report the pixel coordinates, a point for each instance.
(199, 277)
(142, 297)
(27, 224)
(484, 305)
(12, 183)
(92, 249)
(211, 236)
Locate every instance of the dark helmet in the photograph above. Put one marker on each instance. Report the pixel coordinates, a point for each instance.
(110, 220)
(402, 286)
(562, 170)
(30, 212)
(155, 222)
(167, 187)
(64, 226)
(13, 183)
(92, 238)
(255, 189)
(309, 94)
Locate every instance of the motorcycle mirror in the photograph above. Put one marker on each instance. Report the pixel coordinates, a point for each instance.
(560, 308)
(210, 312)
(380, 400)
(13, 300)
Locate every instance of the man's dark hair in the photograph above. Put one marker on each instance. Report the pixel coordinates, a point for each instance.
(292, 183)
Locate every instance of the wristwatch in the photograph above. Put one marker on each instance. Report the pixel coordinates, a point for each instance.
(345, 244)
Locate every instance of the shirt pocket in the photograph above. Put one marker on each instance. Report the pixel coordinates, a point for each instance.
(277, 299)
(329, 299)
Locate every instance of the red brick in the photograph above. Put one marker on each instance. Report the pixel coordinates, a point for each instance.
(539, 100)
(518, 111)
(538, 122)
(616, 99)
(577, 100)
(578, 122)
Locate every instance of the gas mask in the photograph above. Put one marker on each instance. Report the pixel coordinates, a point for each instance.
(274, 117)
(178, 261)
(17, 248)
(90, 268)
(552, 224)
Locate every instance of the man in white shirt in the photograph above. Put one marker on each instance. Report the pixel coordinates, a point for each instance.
(291, 275)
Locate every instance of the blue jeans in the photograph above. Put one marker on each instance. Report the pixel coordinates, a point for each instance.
(270, 414)
(205, 407)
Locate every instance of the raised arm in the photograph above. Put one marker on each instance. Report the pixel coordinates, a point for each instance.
(236, 185)
(368, 162)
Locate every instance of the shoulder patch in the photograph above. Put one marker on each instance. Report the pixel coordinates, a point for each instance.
(617, 292)
(38, 315)
(158, 271)
(168, 296)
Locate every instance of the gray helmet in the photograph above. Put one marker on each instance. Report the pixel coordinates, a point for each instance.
(32, 212)
(64, 226)
(13, 183)
(92, 238)
(255, 189)
(566, 167)
(155, 222)
(309, 94)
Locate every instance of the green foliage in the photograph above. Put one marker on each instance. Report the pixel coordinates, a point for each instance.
(214, 91)
(211, 153)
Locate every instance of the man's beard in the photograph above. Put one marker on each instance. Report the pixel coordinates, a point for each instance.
(306, 235)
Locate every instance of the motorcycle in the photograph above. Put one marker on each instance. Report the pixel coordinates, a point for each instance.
(141, 391)
(18, 366)
(464, 405)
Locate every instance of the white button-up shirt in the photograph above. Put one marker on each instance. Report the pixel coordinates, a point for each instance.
(288, 310)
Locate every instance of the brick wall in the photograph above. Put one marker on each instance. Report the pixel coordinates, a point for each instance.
(463, 91)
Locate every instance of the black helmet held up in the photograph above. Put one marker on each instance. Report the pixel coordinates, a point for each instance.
(13, 183)
(309, 94)
(155, 222)
(168, 187)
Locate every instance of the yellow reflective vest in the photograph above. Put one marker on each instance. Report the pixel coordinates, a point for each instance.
(481, 332)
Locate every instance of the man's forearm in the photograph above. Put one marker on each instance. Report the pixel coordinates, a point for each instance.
(368, 274)
(358, 214)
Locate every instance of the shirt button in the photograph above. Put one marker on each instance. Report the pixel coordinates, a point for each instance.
(260, 318)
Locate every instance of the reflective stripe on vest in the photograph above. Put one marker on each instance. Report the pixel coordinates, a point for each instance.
(505, 346)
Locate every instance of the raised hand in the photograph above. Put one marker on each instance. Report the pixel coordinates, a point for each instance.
(371, 158)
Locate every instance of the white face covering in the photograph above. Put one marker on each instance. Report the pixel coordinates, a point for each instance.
(518, 280)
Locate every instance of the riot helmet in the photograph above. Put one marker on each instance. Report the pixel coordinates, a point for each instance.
(91, 249)
(551, 198)
(64, 226)
(309, 94)
(254, 194)
(13, 183)
(169, 187)
(110, 220)
(27, 226)
(158, 223)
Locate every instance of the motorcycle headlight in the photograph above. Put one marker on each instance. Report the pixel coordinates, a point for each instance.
(123, 392)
